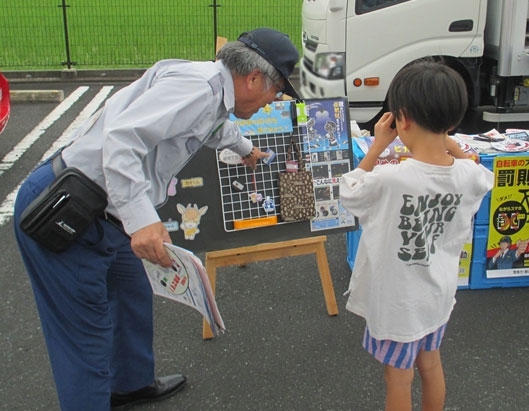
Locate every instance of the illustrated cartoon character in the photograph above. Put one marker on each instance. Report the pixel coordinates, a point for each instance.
(507, 257)
(191, 216)
(330, 128)
(312, 136)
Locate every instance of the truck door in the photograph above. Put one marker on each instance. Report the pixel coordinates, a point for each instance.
(385, 35)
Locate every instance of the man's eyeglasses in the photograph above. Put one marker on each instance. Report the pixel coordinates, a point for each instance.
(280, 92)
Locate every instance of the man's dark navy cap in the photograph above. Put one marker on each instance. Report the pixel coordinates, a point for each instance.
(276, 48)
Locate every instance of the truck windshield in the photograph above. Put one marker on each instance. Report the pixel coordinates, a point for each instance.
(365, 6)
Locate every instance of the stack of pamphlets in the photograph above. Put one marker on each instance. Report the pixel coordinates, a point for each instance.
(186, 281)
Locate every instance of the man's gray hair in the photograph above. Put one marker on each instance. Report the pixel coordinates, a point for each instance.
(241, 61)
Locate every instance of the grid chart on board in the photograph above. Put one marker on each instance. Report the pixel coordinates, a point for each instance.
(245, 192)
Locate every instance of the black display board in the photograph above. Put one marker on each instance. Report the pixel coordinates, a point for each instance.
(217, 203)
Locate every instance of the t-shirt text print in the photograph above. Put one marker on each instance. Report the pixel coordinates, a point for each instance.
(422, 221)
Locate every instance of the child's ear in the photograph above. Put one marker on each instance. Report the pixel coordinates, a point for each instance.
(404, 121)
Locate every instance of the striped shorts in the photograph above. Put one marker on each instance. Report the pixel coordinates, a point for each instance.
(398, 354)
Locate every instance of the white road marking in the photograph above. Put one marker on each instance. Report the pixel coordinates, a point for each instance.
(24, 144)
(6, 208)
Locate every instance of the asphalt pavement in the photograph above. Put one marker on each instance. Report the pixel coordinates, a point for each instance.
(281, 351)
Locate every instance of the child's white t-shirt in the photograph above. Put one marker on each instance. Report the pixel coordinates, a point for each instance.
(415, 219)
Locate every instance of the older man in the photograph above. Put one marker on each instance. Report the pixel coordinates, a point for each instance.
(94, 299)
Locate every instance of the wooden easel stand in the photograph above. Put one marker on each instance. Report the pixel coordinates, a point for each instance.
(271, 251)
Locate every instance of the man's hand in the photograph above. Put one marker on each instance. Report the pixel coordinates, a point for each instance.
(148, 243)
(254, 157)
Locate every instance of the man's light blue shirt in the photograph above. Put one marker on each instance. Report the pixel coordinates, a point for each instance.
(148, 131)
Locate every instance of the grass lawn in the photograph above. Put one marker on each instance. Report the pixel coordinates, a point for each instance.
(130, 33)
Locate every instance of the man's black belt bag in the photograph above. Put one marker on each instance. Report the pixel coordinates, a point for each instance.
(63, 210)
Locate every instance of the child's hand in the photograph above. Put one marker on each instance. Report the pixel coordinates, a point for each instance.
(454, 150)
(452, 147)
(384, 135)
(384, 132)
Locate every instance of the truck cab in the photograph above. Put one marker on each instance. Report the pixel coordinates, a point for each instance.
(354, 48)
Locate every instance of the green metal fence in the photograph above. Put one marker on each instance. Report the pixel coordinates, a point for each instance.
(96, 34)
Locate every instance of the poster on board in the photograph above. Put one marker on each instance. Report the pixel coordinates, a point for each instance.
(507, 254)
(327, 142)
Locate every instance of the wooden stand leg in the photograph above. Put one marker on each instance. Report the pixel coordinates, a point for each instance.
(270, 251)
(326, 280)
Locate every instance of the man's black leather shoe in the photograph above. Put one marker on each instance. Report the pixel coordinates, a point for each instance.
(160, 389)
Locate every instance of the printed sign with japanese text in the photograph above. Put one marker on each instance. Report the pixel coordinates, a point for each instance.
(507, 254)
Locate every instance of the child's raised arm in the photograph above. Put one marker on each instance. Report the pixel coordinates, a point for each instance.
(454, 150)
(384, 135)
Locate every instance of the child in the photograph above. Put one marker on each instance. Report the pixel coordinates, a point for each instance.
(416, 217)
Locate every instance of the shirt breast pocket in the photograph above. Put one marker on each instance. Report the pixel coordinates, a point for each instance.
(193, 144)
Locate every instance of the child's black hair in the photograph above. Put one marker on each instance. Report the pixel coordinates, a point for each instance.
(429, 93)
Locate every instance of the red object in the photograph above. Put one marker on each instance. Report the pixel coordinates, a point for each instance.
(5, 106)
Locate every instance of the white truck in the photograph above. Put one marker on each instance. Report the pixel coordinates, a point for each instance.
(354, 48)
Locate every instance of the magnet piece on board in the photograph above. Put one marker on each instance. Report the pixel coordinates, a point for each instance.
(237, 185)
(271, 156)
(269, 205)
(191, 216)
(171, 225)
(171, 189)
(229, 157)
(256, 197)
(292, 166)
